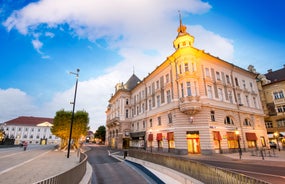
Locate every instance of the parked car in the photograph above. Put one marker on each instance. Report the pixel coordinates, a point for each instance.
(273, 145)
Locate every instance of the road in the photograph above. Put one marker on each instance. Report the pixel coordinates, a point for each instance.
(269, 171)
(108, 170)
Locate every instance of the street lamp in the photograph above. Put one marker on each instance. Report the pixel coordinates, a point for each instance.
(276, 135)
(238, 139)
(72, 118)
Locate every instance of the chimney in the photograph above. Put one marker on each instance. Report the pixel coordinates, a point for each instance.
(269, 71)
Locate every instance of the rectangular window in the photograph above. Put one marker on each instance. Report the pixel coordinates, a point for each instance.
(218, 76)
(167, 78)
(207, 72)
(236, 81)
(220, 93)
(189, 89)
(127, 113)
(143, 124)
(168, 96)
(213, 116)
(186, 67)
(278, 95)
(210, 92)
(157, 84)
(150, 123)
(169, 118)
(247, 100)
(230, 96)
(243, 84)
(159, 120)
(149, 104)
(158, 100)
(182, 90)
(180, 69)
(228, 79)
(254, 102)
(239, 98)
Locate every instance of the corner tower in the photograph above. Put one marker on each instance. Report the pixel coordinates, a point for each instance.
(183, 38)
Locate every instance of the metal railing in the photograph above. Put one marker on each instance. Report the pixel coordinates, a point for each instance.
(72, 176)
(199, 171)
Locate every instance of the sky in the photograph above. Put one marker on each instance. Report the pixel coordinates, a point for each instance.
(41, 41)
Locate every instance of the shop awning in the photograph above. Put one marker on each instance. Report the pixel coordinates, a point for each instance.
(170, 136)
(250, 136)
(159, 136)
(137, 134)
(217, 136)
(150, 137)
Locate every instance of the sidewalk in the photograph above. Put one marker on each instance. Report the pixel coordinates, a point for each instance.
(50, 164)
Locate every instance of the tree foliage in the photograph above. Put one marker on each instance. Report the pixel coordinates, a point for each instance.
(62, 122)
(100, 133)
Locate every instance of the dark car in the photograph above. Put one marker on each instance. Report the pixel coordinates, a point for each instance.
(273, 145)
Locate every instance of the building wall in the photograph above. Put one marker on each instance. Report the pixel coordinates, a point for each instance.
(31, 134)
(198, 84)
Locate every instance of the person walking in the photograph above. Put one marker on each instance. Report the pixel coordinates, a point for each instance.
(25, 145)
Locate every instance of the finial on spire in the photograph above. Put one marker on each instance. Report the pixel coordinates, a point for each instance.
(182, 28)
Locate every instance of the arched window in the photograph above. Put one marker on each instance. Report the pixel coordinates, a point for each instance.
(228, 121)
(246, 122)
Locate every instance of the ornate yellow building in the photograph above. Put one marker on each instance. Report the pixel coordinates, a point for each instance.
(272, 90)
(192, 103)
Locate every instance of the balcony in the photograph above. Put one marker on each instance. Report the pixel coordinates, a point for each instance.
(190, 105)
(113, 122)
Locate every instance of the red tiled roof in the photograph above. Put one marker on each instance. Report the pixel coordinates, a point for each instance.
(28, 120)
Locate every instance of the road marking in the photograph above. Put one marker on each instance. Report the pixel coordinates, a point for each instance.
(11, 168)
(278, 176)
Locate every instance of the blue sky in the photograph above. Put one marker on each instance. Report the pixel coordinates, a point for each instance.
(41, 41)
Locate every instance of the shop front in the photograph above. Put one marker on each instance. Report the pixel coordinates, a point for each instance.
(193, 142)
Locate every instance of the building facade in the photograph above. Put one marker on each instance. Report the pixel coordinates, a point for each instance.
(192, 103)
(34, 130)
(272, 87)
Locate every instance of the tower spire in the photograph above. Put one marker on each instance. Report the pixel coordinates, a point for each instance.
(182, 28)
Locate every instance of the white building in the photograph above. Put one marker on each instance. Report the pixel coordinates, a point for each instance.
(34, 130)
(192, 103)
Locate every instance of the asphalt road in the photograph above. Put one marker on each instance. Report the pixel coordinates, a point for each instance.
(270, 172)
(108, 170)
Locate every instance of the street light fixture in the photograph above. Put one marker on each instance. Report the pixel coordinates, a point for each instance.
(238, 139)
(72, 118)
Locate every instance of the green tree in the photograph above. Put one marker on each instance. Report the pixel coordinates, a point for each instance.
(61, 126)
(100, 133)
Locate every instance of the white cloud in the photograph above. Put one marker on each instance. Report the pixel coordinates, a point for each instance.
(215, 44)
(14, 103)
(37, 44)
(140, 31)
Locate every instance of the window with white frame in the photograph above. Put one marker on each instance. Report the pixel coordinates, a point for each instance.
(159, 121)
(186, 67)
(228, 121)
(278, 95)
(207, 72)
(239, 98)
(210, 92)
(228, 79)
(188, 85)
(246, 122)
(168, 96)
(169, 118)
(218, 76)
(182, 90)
(220, 94)
(167, 78)
(230, 95)
(158, 100)
(247, 100)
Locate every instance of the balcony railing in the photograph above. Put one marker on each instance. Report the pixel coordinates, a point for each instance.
(190, 104)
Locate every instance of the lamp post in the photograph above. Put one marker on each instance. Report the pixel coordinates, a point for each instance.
(276, 135)
(72, 118)
(238, 139)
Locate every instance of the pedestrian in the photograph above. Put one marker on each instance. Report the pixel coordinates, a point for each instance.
(25, 145)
